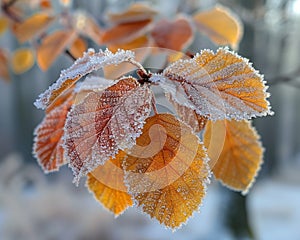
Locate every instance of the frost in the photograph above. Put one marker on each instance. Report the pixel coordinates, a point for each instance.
(90, 61)
(217, 86)
(105, 122)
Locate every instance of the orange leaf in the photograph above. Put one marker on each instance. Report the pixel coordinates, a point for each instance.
(22, 60)
(3, 25)
(45, 4)
(221, 25)
(32, 26)
(106, 182)
(241, 156)
(48, 141)
(175, 35)
(52, 46)
(167, 171)
(78, 47)
(4, 68)
(217, 86)
(125, 32)
(105, 122)
(136, 12)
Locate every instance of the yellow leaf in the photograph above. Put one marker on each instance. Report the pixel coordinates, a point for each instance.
(52, 46)
(32, 26)
(136, 12)
(241, 156)
(22, 60)
(220, 25)
(107, 184)
(4, 67)
(167, 171)
(3, 25)
(78, 47)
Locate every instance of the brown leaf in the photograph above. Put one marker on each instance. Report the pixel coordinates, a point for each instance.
(106, 182)
(136, 12)
(4, 66)
(167, 170)
(175, 35)
(125, 32)
(48, 141)
(52, 46)
(241, 156)
(217, 86)
(90, 62)
(220, 25)
(22, 60)
(105, 122)
(32, 26)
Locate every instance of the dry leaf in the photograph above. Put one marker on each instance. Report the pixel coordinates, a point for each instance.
(220, 25)
(217, 86)
(52, 46)
(4, 66)
(22, 60)
(48, 141)
(106, 182)
(125, 32)
(78, 47)
(45, 4)
(167, 170)
(3, 24)
(32, 26)
(241, 155)
(105, 122)
(136, 12)
(175, 35)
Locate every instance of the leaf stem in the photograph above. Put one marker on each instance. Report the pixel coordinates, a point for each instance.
(139, 66)
(70, 54)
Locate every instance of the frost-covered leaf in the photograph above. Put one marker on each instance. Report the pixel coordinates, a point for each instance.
(48, 141)
(175, 35)
(52, 46)
(22, 60)
(220, 25)
(217, 86)
(90, 62)
(33, 26)
(189, 116)
(125, 32)
(241, 156)
(167, 171)
(136, 12)
(106, 182)
(105, 122)
(4, 66)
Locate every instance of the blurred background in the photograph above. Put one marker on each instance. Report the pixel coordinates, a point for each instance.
(38, 206)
